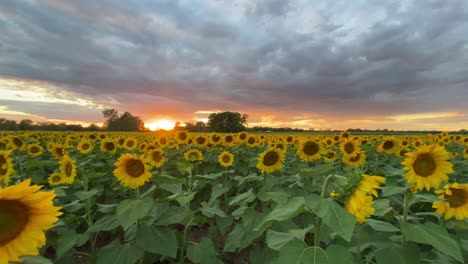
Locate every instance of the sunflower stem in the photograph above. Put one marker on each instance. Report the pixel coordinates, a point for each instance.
(405, 213)
(318, 220)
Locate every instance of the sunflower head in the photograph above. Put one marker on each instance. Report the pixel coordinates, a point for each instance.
(132, 170)
(360, 204)
(271, 160)
(200, 141)
(455, 201)
(242, 136)
(427, 167)
(330, 156)
(388, 146)
(215, 138)
(68, 169)
(130, 143)
(356, 160)
(310, 150)
(85, 146)
(182, 137)
(108, 146)
(156, 157)
(193, 155)
(349, 147)
(25, 214)
(251, 141)
(6, 166)
(56, 179)
(226, 159)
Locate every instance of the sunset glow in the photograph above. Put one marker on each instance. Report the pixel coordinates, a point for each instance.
(162, 124)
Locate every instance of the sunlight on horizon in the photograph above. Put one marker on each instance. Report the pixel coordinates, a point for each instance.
(162, 124)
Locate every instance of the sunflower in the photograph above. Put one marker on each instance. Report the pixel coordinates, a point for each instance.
(156, 157)
(356, 160)
(310, 150)
(85, 146)
(17, 143)
(465, 153)
(370, 184)
(402, 152)
(6, 167)
(427, 167)
(193, 155)
(58, 151)
(350, 147)
(330, 156)
(120, 142)
(182, 137)
(68, 169)
(281, 146)
(388, 146)
(228, 140)
(25, 215)
(271, 160)
(162, 141)
(242, 136)
(328, 141)
(200, 141)
(108, 146)
(56, 179)
(251, 141)
(226, 159)
(289, 140)
(132, 171)
(130, 143)
(344, 135)
(359, 204)
(215, 138)
(35, 150)
(455, 202)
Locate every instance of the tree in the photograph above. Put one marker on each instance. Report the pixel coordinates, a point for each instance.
(26, 124)
(227, 122)
(124, 122)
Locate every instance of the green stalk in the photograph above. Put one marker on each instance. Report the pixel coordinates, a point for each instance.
(405, 213)
(318, 220)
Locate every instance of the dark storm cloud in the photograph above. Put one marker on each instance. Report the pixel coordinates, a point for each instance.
(328, 57)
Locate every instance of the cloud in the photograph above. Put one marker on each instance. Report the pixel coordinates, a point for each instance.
(329, 58)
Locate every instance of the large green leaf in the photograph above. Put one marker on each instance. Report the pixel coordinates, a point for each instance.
(333, 215)
(66, 242)
(276, 240)
(435, 235)
(281, 212)
(246, 197)
(119, 254)
(395, 253)
(157, 239)
(203, 252)
(382, 226)
(173, 215)
(130, 210)
(296, 252)
(339, 255)
(105, 223)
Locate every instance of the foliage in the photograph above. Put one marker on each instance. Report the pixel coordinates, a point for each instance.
(124, 122)
(227, 122)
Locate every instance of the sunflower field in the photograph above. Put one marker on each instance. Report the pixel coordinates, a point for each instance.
(179, 197)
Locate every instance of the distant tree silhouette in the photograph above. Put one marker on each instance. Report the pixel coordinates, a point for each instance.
(227, 122)
(26, 124)
(124, 122)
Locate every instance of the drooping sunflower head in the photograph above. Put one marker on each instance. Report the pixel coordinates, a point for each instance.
(310, 150)
(156, 157)
(6, 166)
(193, 155)
(226, 159)
(271, 160)
(25, 214)
(455, 201)
(35, 150)
(68, 169)
(132, 170)
(360, 205)
(427, 167)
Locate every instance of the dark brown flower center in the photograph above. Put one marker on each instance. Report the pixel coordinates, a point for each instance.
(68, 169)
(182, 136)
(226, 158)
(355, 158)
(157, 156)
(215, 138)
(270, 158)
(251, 140)
(130, 143)
(109, 146)
(349, 147)
(200, 140)
(34, 149)
(18, 142)
(135, 168)
(458, 198)
(228, 139)
(388, 144)
(3, 165)
(424, 165)
(85, 146)
(14, 217)
(310, 148)
(242, 136)
(56, 178)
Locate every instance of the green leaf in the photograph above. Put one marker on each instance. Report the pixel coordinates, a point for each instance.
(35, 260)
(391, 190)
(296, 252)
(333, 215)
(119, 254)
(382, 226)
(276, 240)
(262, 255)
(65, 242)
(105, 223)
(282, 212)
(338, 254)
(395, 253)
(203, 252)
(130, 210)
(173, 215)
(246, 197)
(107, 208)
(211, 211)
(157, 239)
(278, 197)
(382, 207)
(435, 235)
(82, 195)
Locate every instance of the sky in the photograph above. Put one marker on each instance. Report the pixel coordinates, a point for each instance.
(320, 64)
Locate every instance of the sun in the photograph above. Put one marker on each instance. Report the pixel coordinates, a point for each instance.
(162, 124)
